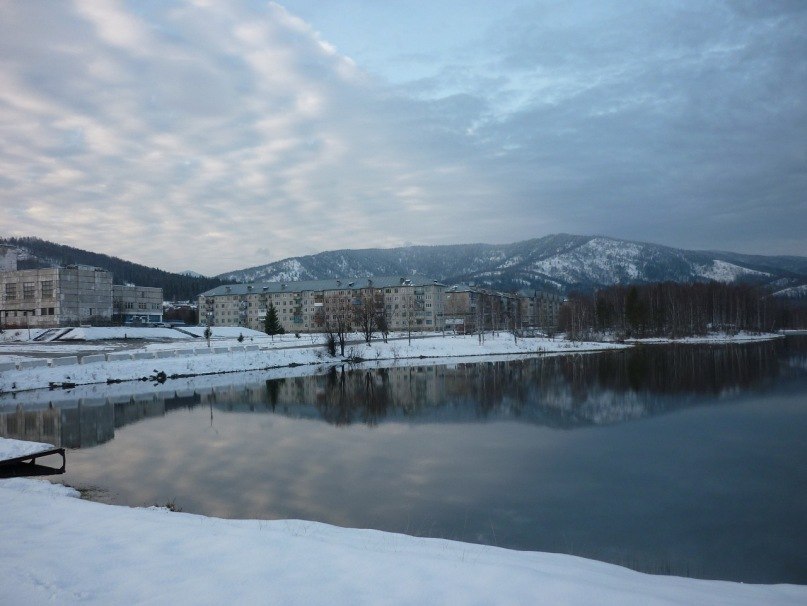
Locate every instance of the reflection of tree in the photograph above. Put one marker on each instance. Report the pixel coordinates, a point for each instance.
(556, 391)
(273, 387)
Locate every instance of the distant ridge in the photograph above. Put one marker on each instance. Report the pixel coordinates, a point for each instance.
(176, 287)
(560, 262)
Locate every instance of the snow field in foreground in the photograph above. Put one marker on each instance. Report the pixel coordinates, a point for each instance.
(60, 549)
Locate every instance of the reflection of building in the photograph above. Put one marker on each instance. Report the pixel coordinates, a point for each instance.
(562, 391)
(48, 297)
(33, 425)
(87, 422)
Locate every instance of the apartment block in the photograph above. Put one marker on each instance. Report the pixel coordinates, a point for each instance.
(467, 308)
(540, 308)
(305, 306)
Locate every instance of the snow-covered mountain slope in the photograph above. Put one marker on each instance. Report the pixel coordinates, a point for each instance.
(558, 261)
(794, 292)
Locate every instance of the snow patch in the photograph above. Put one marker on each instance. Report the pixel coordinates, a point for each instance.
(722, 271)
(11, 449)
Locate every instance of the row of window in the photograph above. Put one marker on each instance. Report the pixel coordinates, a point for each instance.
(29, 290)
(43, 311)
(141, 305)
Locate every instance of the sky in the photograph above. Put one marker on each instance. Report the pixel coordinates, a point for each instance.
(214, 136)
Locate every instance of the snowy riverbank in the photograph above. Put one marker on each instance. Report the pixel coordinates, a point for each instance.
(717, 338)
(232, 356)
(102, 357)
(60, 549)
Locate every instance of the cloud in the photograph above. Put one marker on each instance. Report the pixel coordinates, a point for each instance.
(143, 134)
(201, 135)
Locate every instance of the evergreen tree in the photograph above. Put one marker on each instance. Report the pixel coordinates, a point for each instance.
(271, 325)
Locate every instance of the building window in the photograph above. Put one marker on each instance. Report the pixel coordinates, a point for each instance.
(141, 306)
(47, 289)
(29, 291)
(11, 292)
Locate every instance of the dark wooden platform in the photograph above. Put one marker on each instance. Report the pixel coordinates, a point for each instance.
(27, 466)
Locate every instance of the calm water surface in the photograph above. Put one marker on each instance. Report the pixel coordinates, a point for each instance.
(668, 459)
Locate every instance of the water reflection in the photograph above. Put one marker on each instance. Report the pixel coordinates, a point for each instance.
(528, 454)
(563, 391)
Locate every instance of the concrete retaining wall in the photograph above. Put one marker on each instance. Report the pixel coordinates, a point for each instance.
(64, 361)
(93, 359)
(38, 363)
(120, 355)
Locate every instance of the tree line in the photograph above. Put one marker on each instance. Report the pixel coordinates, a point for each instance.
(176, 287)
(670, 309)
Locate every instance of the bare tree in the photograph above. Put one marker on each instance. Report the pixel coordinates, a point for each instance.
(367, 314)
(336, 316)
(456, 310)
(412, 309)
(382, 322)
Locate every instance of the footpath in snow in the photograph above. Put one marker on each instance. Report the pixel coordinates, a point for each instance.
(58, 549)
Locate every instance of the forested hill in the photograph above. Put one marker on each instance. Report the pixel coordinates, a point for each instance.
(560, 261)
(176, 287)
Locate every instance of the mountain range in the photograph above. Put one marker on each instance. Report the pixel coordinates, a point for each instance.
(559, 262)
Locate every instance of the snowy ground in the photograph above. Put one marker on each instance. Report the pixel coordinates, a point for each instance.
(133, 359)
(714, 338)
(232, 356)
(60, 549)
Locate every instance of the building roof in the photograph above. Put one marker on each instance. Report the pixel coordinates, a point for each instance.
(320, 285)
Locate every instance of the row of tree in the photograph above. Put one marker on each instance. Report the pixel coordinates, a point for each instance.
(670, 309)
(340, 314)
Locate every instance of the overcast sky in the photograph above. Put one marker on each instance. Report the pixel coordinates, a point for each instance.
(214, 135)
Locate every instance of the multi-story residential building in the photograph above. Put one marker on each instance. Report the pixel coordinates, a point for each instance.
(408, 302)
(540, 309)
(469, 307)
(137, 304)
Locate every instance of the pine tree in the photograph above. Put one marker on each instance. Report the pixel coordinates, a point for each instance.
(271, 325)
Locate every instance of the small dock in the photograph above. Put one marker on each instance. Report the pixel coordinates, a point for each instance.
(19, 458)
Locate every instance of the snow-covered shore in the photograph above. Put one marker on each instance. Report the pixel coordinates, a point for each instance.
(60, 549)
(712, 339)
(232, 356)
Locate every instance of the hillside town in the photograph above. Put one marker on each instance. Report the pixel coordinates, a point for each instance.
(53, 297)
(415, 303)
